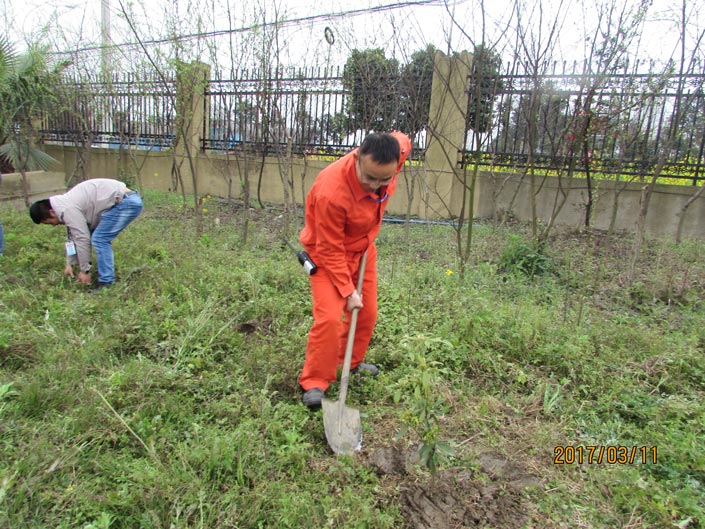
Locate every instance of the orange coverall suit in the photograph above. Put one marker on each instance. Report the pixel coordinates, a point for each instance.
(342, 221)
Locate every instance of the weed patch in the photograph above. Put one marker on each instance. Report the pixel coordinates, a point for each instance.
(172, 400)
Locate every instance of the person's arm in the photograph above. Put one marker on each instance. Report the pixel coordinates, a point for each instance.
(71, 260)
(81, 237)
(330, 248)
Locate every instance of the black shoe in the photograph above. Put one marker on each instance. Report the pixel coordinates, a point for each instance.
(312, 398)
(365, 369)
(101, 286)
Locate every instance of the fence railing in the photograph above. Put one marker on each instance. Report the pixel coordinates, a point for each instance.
(618, 124)
(306, 111)
(128, 110)
(284, 110)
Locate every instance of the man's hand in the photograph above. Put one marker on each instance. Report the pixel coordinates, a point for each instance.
(84, 277)
(354, 302)
(68, 271)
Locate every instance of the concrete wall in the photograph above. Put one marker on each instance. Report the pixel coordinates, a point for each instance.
(502, 192)
(218, 174)
(495, 192)
(221, 175)
(42, 184)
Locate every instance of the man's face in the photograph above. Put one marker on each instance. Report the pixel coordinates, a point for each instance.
(53, 219)
(373, 175)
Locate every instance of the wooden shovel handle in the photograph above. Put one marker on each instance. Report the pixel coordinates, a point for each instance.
(345, 375)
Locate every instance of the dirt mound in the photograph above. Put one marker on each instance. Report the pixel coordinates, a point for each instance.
(456, 498)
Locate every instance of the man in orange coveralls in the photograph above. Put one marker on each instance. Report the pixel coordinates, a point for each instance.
(344, 210)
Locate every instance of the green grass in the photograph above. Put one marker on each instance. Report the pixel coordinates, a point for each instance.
(172, 400)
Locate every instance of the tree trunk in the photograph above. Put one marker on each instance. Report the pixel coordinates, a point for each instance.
(684, 210)
(25, 187)
(641, 228)
(410, 188)
(588, 177)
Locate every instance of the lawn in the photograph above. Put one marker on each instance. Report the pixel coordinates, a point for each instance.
(567, 399)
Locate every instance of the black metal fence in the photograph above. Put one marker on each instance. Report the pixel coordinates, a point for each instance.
(287, 110)
(129, 110)
(301, 111)
(622, 122)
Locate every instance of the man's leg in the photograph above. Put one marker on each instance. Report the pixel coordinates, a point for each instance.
(111, 224)
(367, 315)
(320, 366)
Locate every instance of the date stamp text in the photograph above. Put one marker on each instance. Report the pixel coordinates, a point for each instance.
(599, 454)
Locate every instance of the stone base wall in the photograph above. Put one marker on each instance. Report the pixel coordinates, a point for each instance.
(42, 184)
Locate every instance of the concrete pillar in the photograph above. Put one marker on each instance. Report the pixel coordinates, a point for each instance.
(190, 113)
(446, 132)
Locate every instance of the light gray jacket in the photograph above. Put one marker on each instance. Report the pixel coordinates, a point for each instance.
(80, 210)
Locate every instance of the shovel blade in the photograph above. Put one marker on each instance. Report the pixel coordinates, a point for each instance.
(343, 430)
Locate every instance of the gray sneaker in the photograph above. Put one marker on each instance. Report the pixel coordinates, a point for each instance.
(365, 369)
(312, 398)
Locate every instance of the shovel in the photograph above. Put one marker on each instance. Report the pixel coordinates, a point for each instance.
(341, 422)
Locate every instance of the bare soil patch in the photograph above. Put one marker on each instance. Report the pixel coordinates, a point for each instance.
(457, 497)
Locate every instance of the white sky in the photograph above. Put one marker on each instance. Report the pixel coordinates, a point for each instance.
(75, 24)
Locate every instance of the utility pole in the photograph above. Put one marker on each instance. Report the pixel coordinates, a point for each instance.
(106, 52)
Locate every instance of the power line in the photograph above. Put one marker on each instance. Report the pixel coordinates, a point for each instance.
(283, 23)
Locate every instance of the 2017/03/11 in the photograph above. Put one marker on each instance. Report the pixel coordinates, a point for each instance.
(598, 454)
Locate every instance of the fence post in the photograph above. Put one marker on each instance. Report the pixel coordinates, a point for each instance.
(446, 132)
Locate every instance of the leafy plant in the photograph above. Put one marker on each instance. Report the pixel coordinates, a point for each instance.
(28, 87)
(528, 258)
(425, 405)
(6, 391)
(551, 398)
(104, 521)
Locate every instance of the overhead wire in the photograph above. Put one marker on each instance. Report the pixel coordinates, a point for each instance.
(251, 27)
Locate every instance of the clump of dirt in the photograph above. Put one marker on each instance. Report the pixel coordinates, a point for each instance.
(263, 325)
(508, 472)
(391, 460)
(457, 497)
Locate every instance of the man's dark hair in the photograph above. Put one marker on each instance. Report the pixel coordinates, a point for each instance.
(382, 146)
(39, 211)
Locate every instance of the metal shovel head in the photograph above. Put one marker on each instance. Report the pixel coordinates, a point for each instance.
(343, 430)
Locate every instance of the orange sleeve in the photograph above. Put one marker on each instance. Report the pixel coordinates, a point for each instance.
(330, 247)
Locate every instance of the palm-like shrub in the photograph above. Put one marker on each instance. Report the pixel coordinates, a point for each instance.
(28, 88)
